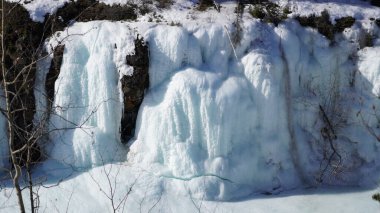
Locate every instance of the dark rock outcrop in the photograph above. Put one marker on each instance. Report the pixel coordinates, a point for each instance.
(133, 88)
(89, 10)
(51, 77)
(204, 4)
(22, 39)
(378, 22)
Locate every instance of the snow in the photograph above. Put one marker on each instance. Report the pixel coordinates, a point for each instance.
(215, 126)
(83, 192)
(337, 8)
(370, 68)
(39, 8)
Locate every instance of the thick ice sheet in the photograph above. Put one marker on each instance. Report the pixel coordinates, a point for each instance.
(228, 124)
(87, 104)
(255, 122)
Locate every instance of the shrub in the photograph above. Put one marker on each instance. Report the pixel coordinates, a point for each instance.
(323, 24)
(164, 3)
(343, 23)
(269, 12)
(145, 8)
(204, 4)
(252, 1)
(175, 24)
(257, 12)
(376, 197)
(286, 10)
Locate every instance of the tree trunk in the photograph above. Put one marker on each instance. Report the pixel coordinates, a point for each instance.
(16, 167)
(30, 178)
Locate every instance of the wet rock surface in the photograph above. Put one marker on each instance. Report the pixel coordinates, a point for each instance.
(133, 88)
(53, 74)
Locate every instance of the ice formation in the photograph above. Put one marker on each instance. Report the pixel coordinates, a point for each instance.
(233, 127)
(230, 125)
(87, 104)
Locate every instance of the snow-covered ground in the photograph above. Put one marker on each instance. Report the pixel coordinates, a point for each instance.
(87, 192)
(221, 121)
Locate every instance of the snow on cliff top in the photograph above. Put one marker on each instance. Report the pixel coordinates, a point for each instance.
(38, 8)
(337, 8)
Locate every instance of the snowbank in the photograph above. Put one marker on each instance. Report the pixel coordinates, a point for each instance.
(82, 193)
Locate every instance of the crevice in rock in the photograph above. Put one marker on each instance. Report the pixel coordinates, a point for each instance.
(52, 76)
(134, 87)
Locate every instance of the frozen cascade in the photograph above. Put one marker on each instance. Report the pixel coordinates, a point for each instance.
(230, 122)
(88, 95)
(227, 127)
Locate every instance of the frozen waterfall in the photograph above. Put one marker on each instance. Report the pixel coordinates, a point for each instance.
(262, 122)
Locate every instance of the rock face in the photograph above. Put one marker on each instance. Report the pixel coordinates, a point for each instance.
(89, 10)
(134, 87)
(22, 39)
(53, 74)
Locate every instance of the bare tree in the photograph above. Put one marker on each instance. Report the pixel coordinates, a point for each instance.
(376, 197)
(366, 123)
(9, 114)
(111, 174)
(21, 50)
(333, 117)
